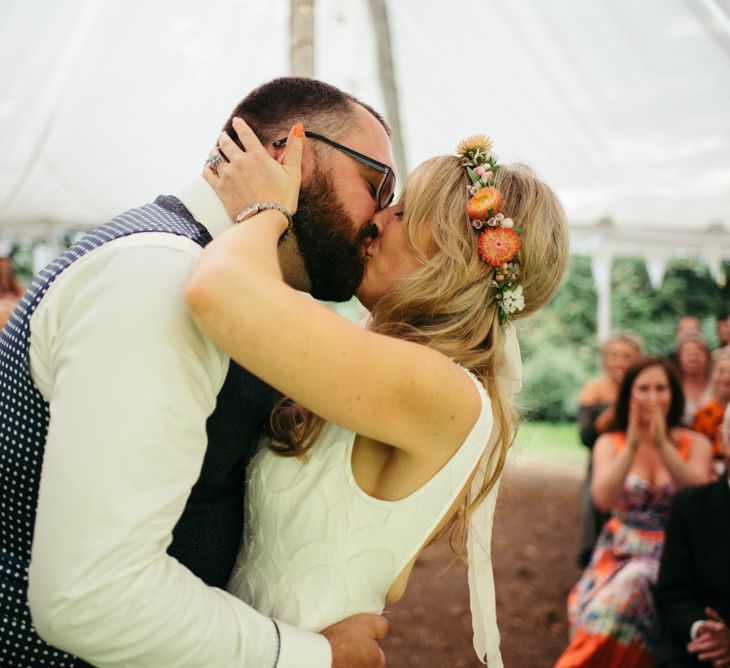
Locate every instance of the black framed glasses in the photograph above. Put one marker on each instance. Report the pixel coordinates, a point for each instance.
(386, 188)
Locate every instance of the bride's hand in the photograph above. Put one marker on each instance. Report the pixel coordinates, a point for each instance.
(254, 175)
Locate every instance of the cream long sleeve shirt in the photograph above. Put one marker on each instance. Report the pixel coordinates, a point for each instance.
(131, 381)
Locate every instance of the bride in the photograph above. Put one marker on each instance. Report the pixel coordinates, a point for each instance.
(396, 431)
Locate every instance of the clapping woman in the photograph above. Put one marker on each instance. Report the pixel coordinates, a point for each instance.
(637, 467)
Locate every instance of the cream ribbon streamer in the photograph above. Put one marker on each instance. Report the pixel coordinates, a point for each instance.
(479, 539)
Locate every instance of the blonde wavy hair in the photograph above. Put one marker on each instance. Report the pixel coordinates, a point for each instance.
(449, 303)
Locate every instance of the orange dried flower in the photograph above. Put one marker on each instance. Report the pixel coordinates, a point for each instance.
(498, 245)
(485, 202)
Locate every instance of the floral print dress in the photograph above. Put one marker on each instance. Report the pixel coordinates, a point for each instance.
(611, 610)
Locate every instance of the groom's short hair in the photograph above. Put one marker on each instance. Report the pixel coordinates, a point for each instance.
(273, 108)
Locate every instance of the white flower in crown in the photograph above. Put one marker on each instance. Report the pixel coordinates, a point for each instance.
(513, 301)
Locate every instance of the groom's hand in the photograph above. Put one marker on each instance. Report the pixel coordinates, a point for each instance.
(354, 641)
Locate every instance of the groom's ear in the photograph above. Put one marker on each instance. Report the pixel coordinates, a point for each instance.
(277, 152)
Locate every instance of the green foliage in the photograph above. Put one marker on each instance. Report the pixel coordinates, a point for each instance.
(558, 346)
(22, 254)
(560, 350)
(552, 377)
(687, 289)
(22, 259)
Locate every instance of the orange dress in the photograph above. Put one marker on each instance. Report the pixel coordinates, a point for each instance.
(707, 421)
(613, 621)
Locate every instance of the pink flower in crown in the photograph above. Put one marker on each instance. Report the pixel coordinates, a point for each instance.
(479, 170)
(477, 224)
(489, 176)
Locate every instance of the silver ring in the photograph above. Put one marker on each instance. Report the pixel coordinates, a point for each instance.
(215, 160)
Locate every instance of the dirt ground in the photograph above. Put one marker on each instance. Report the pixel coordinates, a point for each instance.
(533, 551)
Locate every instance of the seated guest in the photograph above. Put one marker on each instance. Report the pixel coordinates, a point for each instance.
(9, 286)
(693, 355)
(693, 591)
(687, 324)
(637, 466)
(595, 414)
(10, 290)
(709, 416)
(598, 395)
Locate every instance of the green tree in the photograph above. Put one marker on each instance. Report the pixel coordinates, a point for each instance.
(559, 346)
(560, 350)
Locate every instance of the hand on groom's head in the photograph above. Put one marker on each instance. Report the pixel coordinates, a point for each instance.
(241, 178)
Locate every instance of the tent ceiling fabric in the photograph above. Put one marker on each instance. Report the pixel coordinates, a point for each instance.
(622, 107)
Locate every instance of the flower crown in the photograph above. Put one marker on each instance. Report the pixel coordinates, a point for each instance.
(499, 236)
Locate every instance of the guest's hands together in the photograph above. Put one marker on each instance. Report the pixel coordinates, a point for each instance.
(244, 177)
(713, 641)
(659, 430)
(354, 641)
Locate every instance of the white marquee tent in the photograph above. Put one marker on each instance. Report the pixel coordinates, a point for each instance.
(623, 106)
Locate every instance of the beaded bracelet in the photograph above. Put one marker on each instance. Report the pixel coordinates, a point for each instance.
(257, 207)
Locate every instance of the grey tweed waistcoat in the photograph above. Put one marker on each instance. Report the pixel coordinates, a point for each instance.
(208, 533)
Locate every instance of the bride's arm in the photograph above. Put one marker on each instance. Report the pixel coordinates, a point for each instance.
(397, 392)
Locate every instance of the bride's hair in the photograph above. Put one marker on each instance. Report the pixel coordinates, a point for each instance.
(449, 303)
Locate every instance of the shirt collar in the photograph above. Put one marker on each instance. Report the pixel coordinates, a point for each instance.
(205, 206)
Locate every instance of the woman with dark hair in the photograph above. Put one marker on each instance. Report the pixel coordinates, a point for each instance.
(637, 466)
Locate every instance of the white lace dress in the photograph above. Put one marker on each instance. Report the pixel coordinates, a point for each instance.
(318, 549)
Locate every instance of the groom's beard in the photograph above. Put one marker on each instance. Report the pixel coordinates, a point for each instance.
(331, 247)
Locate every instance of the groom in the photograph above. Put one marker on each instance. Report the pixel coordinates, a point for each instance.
(124, 432)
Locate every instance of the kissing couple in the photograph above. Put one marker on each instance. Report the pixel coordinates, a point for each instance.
(203, 466)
